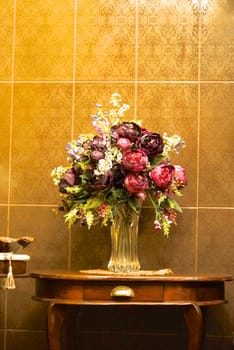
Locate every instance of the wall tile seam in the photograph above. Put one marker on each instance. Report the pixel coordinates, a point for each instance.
(197, 201)
(136, 58)
(75, 3)
(5, 306)
(117, 81)
(28, 205)
(144, 206)
(18, 329)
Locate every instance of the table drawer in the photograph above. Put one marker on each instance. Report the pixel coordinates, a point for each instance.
(137, 292)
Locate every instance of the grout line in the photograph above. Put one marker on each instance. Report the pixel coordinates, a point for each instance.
(5, 322)
(11, 118)
(30, 205)
(74, 67)
(198, 141)
(10, 161)
(145, 206)
(117, 81)
(73, 108)
(136, 61)
(199, 208)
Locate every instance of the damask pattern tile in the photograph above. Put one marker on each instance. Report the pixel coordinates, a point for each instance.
(2, 309)
(6, 38)
(172, 108)
(44, 40)
(36, 340)
(5, 103)
(3, 220)
(19, 302)
(216, 236)
(41, 128)
(157, 251)
(98, 241)
(216, 150)
(106, 48)
(87, 95)
(168, 40)
(49, 250)
(215, 230)
(217, 39)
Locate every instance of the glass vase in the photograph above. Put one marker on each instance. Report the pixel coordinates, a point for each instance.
(124, 240)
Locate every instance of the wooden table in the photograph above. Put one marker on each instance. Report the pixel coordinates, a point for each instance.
(64, 289)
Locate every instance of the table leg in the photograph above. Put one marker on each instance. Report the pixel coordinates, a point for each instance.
(194, 321)
(61, 326)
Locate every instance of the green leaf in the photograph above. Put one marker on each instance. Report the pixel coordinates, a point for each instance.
(154, 201)
(132, 204)
(174, 205)
(93, 203)
(157, 160)
(73, 189)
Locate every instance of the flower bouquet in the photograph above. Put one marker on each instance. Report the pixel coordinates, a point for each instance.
(123, 163)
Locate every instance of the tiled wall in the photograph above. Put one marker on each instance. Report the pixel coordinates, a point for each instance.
(172, 61)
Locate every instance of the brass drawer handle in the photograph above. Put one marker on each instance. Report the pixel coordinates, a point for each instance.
(122, 292)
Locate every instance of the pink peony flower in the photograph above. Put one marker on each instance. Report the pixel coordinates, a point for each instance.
(123, 143)
(135, 161)
(162, 175)
(136, 183)
(180, 176)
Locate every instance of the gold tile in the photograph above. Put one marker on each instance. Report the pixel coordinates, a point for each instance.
(5, 103)
(172, 108)
(50, 248)
(216, 236)
(98, 241)
(216, 145)
(44, 40)
(87, 95)
(155, 249)
(3, 220)
(105, 40)
(217, 39)
(6, 37)
(168, 41)
(41, 128)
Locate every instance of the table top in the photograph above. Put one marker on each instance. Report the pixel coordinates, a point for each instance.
(143, 275)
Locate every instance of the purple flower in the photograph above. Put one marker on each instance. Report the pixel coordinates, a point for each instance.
(71, 178)
(97, 151)
(151, 143)
(100, 182)
(128, 130)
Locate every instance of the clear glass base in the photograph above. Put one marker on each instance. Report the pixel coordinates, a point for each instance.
(124, 241)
